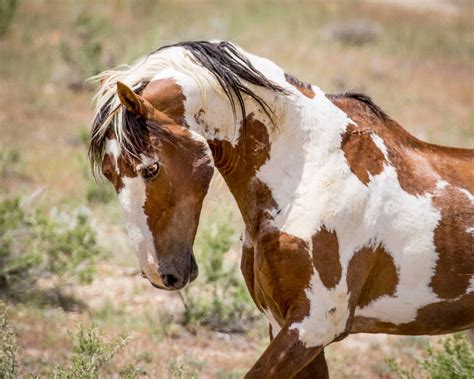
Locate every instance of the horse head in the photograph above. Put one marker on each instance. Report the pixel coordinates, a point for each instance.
(161, 171)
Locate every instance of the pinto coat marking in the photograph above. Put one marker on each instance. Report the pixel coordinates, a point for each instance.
(352, 224)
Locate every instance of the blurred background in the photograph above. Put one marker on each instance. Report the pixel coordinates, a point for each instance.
(72, 301)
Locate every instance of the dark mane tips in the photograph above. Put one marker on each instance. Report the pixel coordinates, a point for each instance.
(364, 99)
(233, 72)
(231, 69)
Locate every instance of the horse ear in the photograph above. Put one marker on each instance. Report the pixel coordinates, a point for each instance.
(133, 102)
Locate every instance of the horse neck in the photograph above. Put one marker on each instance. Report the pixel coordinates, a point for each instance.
(266, 164)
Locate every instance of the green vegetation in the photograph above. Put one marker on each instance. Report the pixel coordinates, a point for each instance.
(219, 298)
(90, 354)
(7, 13)
(8, 363)
(455, 360)
(34, 244)
(83, 51)
(10, 160)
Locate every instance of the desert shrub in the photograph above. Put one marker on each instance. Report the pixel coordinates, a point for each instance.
(10, 160)
(184, 368)
(219, 298)
(99, 192)
(356, 32)
(455, 360)
(8, 364)
(90, 353)
(83, 49)
(7, 13)
(34, 244)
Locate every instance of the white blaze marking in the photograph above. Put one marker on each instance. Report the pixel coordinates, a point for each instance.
(132, 198)
(112, 147)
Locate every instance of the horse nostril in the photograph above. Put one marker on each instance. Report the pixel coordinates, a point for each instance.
(169, 280)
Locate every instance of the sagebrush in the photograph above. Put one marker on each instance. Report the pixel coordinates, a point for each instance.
(454, 360)
(219, 298)
(35, 244)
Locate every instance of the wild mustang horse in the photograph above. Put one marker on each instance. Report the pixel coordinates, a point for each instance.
(352, 224)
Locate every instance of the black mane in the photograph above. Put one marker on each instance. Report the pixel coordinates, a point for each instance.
(366, 100)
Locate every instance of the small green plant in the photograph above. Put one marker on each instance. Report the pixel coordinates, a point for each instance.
(33, 244)
(455, 360)
(219, 299)
(8, 364)
(100, 192)
(184, 368)
(90, 354)
(83, 49)
(7, 13)
(97, 192)
(10, 160)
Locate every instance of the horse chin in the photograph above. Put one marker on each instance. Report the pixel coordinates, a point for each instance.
(194, 270)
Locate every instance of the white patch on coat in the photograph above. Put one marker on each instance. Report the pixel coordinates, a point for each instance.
(112, 147)
(441, 184)
(471, 286)
(132, 198)
(313, 185)
(328, 314)
(468, 194)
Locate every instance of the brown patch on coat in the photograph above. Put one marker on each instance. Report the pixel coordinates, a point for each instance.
(285, 357)
(317, 368)
(371, 274)
(446, 316)
(382, 279)
(362, 154)
(175, 196)
(326, 257)
(277, 269)
(283, 273)
(454, 245)
(238, 165)
(304, 88)
(419, 165)
(246, 266)
(167, 96)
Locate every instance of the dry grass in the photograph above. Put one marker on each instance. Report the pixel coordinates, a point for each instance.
(419, 68)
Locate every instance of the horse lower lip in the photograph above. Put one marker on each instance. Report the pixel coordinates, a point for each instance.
(159, 287)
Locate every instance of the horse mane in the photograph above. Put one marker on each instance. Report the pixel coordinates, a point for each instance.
(365, 100)
(224, 61)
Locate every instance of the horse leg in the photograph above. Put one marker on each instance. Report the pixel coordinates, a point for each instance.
(284, 357)
(317, 369)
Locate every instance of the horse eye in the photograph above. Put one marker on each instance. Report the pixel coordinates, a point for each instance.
(150, 172)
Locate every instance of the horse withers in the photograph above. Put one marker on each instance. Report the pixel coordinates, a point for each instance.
(352, 224)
